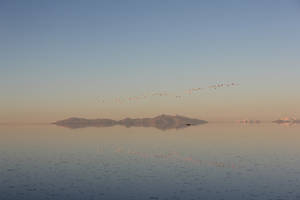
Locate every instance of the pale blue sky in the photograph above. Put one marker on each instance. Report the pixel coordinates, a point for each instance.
(58, 57)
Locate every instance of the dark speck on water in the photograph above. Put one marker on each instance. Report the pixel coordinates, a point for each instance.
(154, 198)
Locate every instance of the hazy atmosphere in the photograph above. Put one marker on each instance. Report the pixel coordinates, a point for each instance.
(60, 59)
(149, 99)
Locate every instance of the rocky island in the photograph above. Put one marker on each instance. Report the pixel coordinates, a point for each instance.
(162, 122)
(287, 121)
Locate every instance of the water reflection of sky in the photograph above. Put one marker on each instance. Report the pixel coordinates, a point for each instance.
(213, 161)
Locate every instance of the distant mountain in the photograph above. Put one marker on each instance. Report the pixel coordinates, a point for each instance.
(162, 122)
(247, 121)
(287, 120)
(75, 122)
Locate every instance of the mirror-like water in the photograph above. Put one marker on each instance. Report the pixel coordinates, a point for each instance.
(211, 161)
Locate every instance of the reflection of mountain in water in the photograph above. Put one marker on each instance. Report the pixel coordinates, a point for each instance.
(162, 122)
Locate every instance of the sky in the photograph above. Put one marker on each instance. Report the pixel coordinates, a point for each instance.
(60, 58)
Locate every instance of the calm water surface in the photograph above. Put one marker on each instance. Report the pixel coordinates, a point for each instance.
(212, 161)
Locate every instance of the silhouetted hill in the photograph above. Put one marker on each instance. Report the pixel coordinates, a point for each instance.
(280, 121)
(75, 122)
(162, 122)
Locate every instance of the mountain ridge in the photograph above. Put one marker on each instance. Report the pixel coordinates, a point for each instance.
(162, 122)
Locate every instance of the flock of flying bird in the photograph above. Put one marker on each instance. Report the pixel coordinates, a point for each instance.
(162, 94)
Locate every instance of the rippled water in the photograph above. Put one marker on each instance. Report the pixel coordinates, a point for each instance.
(212, 161)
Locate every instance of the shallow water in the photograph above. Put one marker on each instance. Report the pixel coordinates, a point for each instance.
(211, 161)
